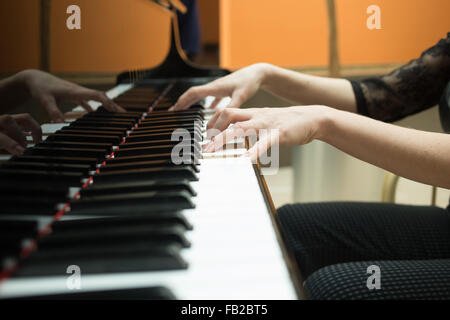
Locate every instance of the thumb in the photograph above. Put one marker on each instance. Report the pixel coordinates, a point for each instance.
(264, 142)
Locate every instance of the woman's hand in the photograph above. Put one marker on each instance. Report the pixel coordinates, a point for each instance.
(49, 90)
(12, 132)
(287, 126)
(240, 86)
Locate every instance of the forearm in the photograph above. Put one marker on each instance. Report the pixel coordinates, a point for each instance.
(416, 155)
(308, 90)
(13, 92)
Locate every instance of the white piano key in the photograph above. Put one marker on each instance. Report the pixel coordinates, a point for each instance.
(50, 128)
(224, 153)
(4, 157)
(224, 102)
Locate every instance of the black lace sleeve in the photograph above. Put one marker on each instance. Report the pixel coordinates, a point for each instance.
(409, 89)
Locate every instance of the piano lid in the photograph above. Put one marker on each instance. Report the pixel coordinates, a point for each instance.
(176, 64)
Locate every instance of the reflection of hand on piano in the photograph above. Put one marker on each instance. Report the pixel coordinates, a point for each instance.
(240, 86)
(48, 90)
(12, 137)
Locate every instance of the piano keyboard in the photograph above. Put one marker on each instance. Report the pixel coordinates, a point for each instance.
(102, 193)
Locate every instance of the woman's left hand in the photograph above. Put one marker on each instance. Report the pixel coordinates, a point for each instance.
(286, 126)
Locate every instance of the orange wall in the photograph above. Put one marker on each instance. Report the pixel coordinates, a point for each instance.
(19, 35)
(283, 32)
(125, 34)
(295, 32)
(116, 35)
(408, 28)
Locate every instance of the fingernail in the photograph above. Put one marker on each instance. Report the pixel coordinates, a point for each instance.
(19, 150)
(171, 108)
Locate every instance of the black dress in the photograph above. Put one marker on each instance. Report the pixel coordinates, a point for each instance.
(334, 243)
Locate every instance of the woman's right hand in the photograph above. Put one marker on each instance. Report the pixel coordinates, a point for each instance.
(240, 86)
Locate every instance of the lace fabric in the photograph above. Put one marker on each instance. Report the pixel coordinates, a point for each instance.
(407, 90)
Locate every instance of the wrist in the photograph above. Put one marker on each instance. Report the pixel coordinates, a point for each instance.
(265, 73)
(326, 119)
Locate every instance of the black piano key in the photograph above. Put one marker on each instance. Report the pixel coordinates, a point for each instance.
(143, 110)
(166, 142)
(122, 115)
(136, 108)
(68, 152)
(129, 120)
(131, 203)
(11, 245)
(155, 232)
(122, 259)
(28, 206)
(102, 130)
(156, 149)
(56, 159)
(178, 172)
(156, 122)
(168, 126)
(107, 122)
(169, 130)
(147, 293)
(48, 166)
(173, 118)
(26, 190)
(19, 228)
(88, 131)
(189, 158)
(105, 221)
(156, 114)
(173, 185)
(74, 144)
(167, 135)
(102, 110)
(40, 176)
(197, 127)
(143, 165)
(100, 124)
(70, 137)
(81, 239)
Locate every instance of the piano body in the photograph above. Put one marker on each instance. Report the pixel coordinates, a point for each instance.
(101, 194)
